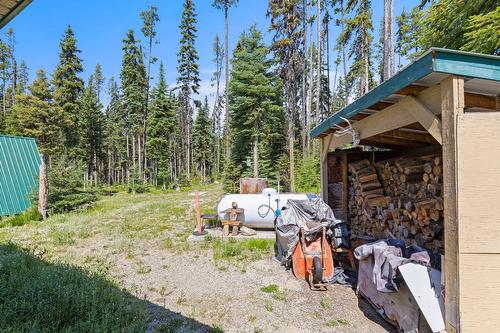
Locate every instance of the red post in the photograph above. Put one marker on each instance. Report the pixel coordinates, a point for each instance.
(198, 217)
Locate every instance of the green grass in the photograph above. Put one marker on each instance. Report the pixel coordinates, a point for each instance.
(336, 322)
(277, 293)
(38, 296)
(241, 250)
(325, 304)
(67, 281)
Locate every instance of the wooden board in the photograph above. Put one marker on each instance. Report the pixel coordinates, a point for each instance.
(479, 292)
(479, 182)
(452, 91)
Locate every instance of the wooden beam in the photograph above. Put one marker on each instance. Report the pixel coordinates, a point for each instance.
(425, 117)
(409, 135)
(452, 97)
(328, 140)
(471, 100)
(480, 101)
(391, 118)
(393, 141)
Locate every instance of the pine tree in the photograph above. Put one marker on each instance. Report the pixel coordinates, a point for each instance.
(409, 35)
(92, 124)
(286, 23)
(189, 75)
(22, 78)
(256, 115)
(161, 121)
(447, 22)
(68, 87)
(99, 82)
(359, 29)
(4, 77)
(203, 141)
(36, 115)
(479, 36)
(114, 135)
(11, 38)
(133, 82)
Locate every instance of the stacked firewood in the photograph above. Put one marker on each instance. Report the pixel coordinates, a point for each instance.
(399, 198)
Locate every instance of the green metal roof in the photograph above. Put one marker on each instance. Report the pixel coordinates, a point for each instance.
(436, 60)
(19, 170)
(10, 8)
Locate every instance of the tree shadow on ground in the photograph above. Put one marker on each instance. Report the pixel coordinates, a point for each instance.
(374, 316)
(40, 296)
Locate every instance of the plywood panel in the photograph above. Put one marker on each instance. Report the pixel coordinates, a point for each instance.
(479, 292)
(478, 147)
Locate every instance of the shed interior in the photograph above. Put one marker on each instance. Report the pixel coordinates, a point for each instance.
(443, 108)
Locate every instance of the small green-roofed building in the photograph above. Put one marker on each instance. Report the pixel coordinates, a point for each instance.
(19, 171)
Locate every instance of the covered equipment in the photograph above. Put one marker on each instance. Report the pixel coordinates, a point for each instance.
(303, 231)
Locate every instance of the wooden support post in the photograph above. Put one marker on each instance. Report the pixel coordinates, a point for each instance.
(323, 167)
(452, 105)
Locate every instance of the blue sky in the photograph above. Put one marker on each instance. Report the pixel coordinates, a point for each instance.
(100, 26)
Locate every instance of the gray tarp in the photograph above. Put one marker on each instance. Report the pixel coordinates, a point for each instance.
(311, 215)
(387, 256)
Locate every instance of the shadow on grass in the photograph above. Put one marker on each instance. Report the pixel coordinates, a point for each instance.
(39, 296)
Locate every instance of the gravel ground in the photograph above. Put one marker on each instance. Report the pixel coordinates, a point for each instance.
(230, 298)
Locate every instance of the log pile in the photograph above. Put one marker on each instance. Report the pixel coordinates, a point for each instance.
(399, 198)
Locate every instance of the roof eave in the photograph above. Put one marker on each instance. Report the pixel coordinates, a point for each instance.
(13, 12)
(435, 60)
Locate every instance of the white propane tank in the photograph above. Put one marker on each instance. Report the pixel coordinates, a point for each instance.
(259, 208)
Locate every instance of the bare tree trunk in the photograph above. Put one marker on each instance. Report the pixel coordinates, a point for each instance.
(133, 152)
(318, 66)
(311, 80)
(334, 91)
(344, 59)
(367, 65)
(95, 169)
(226, 10)
(304, 81)
(109, 167)
(139, 156)
(385, 56)
(43, 191)
(327, 51)
(291, 136)
(128, 160)
(256, 156)
(391, 33)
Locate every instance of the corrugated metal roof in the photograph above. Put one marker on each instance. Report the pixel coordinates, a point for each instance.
(19, 170)
(482, 71)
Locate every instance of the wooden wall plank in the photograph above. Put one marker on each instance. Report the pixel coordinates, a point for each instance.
(479, 292)
(452, 97)
(478, 182)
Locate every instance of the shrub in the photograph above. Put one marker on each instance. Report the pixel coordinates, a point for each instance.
(307, 175)
(66, 188)
(31, 214)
